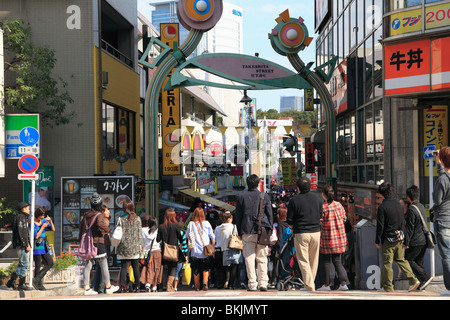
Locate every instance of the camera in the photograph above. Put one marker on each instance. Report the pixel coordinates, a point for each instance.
(435, 153)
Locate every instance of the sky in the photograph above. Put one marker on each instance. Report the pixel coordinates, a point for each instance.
(259, 20)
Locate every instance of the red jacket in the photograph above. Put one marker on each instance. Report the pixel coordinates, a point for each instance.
(333, 238)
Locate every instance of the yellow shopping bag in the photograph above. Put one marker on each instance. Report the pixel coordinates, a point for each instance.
(186, 274)
(131, 274)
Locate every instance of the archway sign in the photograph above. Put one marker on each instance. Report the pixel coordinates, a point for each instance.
(289, 37)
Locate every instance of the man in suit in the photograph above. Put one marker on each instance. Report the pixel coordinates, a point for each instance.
(247, 221)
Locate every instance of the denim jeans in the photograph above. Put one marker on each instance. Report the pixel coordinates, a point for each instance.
(442, 230)
(24, 261)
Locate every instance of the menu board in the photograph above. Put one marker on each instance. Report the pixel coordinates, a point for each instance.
(76, 196)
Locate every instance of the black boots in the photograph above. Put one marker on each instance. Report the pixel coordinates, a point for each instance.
(37, 280)
(12, 281)
(22, 286)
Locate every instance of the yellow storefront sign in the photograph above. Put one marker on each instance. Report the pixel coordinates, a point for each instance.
(413, 20)
(435, 131)
(171, 118)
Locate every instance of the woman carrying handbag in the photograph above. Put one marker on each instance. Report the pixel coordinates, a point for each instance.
(130, 246)
(231, 255)
(204, 239)
(169, 233)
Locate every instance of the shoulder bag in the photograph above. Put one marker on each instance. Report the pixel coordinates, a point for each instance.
(191, 237)
(429, 236)
(117, 234)
(263, 233)
(208, 250)
(170, 252)
(235, 242)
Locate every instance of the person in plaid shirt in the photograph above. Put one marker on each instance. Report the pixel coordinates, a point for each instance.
(333, 239)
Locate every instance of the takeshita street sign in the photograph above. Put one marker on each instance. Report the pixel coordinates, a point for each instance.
(253, 72)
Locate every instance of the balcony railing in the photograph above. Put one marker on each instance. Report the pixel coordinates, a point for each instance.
(117, 54)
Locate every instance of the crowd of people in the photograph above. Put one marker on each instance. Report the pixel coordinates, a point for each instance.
(243, 249)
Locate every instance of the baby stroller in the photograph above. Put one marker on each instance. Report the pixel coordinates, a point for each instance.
(289, 275)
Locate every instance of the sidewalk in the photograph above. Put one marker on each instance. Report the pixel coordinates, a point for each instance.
(67, 290)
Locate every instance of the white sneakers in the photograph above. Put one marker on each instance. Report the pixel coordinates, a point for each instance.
(90, 292)
(414, 286)
(342, 287)
(112, 289)
(109, 290)
(324, 288)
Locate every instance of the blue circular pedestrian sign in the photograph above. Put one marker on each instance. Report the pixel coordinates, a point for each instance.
(29, 136)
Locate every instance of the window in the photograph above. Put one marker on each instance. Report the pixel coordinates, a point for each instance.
(368, 50)
(369, 134)
(361, 12)
(378, 63)
(346, 24)
(353, 26)
(119, 127)
(379, 134)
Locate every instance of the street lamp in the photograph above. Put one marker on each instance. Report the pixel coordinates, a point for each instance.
(246, 100)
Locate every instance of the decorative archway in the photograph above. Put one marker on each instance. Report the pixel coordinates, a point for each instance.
(252, 73)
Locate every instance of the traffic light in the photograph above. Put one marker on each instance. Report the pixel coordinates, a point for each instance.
(309, 158)
(291, 144)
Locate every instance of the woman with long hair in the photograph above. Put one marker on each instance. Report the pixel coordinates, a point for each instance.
(333, 239)
(169, 233)
(151, 274)
(129, 248)
(203, 235)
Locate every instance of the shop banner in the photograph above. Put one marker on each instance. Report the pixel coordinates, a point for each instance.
(412, 20)
(171, 118)
(418, 66)
(435, 132)
(407, 67)
(289, 171)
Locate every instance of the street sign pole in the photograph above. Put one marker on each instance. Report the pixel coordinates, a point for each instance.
(428, 155)
(430, 175)
(33, 196)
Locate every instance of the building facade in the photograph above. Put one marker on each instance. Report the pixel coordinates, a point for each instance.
(382, 109)
(95, 49)
(288, 103)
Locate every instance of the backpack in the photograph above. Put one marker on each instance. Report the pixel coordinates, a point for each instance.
(87, 250)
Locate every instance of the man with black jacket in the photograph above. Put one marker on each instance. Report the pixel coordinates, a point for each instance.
(390, 228)
(21, 242)
(415, 242)
(303, 216)
(247, 220)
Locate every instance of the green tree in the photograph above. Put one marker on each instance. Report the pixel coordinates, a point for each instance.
(29, 83)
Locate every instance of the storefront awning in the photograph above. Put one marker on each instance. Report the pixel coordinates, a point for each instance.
(208, 199)
(206, 98)
(171, 204)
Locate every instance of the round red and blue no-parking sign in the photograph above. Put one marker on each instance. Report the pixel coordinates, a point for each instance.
(28, 163)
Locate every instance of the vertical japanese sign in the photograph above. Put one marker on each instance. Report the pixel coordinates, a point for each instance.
(407, 67)
(309, 99)
(289, 171)
(435, 131)
(171, 118)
